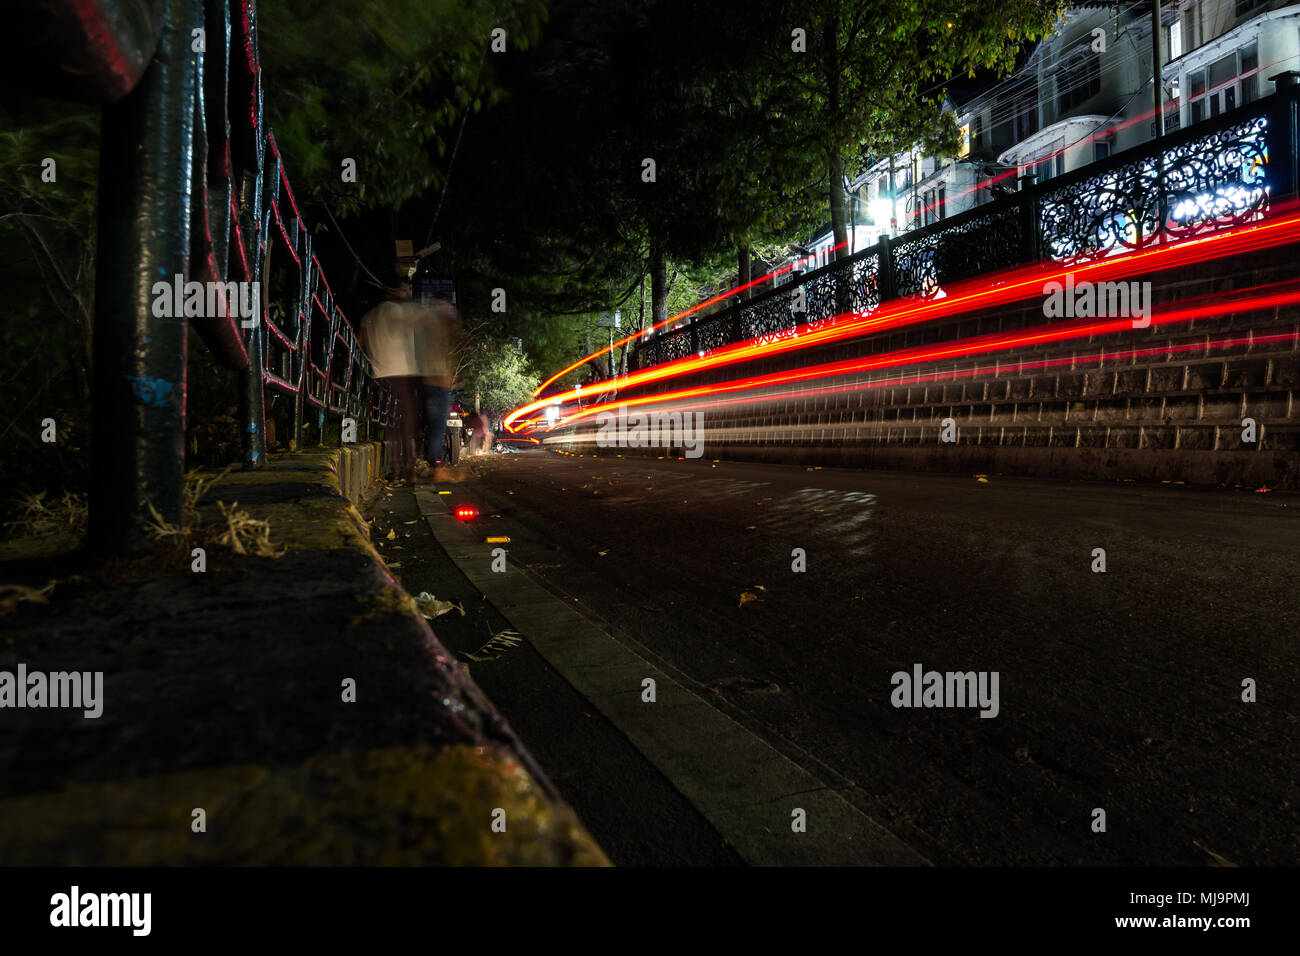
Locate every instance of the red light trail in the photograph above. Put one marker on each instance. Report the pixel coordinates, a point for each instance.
(1264, 297)
(983, 292)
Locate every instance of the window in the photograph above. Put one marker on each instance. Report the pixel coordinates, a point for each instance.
(1077, 80)
(1026, 118)
(934, 201)
(1225, 84)
(963, 147)
(1100, 151)
(1249, 73)
(1175, 40)
(1048, 163)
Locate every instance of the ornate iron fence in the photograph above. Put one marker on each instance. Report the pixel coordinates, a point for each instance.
(1215, 175)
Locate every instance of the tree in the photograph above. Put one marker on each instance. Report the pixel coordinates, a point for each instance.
(495, 374)
(389, 85)
(871, 81)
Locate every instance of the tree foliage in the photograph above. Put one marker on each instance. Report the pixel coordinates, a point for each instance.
(386, 84)
(47, 245)
(871, 78)
(496, 373)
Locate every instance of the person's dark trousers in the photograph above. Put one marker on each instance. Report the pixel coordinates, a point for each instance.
(405, 390)
(437, 405)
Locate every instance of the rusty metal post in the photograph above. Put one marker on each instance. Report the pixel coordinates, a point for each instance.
(146, 153)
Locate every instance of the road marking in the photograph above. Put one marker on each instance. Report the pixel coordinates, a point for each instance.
(744, 787)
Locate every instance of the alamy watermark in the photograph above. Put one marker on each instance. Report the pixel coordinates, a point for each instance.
(208, 300)
(922, 688)
(1082, 300)
(684, 430)
(75, 689)
(75, 908)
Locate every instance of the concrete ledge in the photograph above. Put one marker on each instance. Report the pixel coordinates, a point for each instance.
(358, 467)
(224, 691)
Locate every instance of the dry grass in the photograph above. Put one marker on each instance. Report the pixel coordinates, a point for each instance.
(245, 534)
(238, 530)
(39, 517)
(196, 486)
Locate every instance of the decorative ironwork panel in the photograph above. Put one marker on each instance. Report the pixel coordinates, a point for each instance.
(1218, 180)
(864, 295)
(827, 293)
(1209, 182)
(714, 332)
(771, 318)
(666, 347)
(971, 246)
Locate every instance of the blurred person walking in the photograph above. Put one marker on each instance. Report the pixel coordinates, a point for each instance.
(388, 337)
(438, 341)
(480, 433)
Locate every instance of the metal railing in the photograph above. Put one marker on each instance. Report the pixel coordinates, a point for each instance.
(191, 185)
(1204, 178)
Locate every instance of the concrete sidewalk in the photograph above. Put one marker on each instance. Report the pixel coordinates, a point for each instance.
(268, 710)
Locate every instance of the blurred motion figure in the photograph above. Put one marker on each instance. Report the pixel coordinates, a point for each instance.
(388, 337)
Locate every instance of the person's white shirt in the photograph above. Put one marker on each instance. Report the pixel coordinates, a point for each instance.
(390, 339)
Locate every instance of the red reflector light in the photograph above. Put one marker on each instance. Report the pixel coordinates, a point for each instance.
(465, 512)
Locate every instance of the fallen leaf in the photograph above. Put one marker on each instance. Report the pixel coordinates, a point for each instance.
(430, 607)
(391, 534)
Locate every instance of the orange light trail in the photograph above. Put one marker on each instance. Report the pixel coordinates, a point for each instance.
(680, 315)
(983, 292)
(1097, 134)
(1038, 335)
(915, 378)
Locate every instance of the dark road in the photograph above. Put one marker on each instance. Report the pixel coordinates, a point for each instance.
(1119, 690)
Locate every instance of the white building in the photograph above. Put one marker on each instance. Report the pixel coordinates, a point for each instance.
(1082, 94)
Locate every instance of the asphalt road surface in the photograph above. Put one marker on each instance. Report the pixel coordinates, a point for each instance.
(1119, 691)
